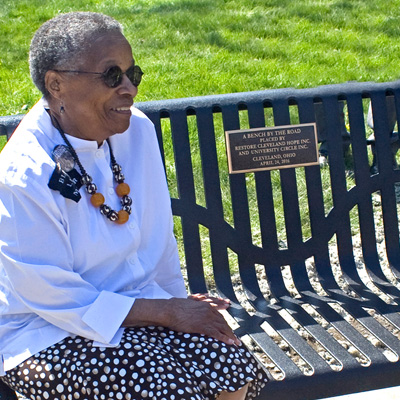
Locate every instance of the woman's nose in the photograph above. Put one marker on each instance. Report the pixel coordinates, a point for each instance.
(127, 87)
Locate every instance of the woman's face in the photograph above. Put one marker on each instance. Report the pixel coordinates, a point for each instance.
(94, 111)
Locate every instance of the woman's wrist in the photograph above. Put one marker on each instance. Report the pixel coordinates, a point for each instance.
(146, 312)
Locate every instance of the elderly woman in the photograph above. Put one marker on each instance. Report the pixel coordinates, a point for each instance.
(92, 302)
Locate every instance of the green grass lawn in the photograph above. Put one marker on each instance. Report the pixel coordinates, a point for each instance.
(198, 47)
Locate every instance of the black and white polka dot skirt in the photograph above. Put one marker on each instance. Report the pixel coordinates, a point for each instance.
(149, 363)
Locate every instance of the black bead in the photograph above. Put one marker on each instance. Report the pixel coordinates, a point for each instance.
(116, 168)
(126, 201)
(119, 177)
(112, 215)
(128, 209)
(105, 209)
(91, 188)
(86, 179)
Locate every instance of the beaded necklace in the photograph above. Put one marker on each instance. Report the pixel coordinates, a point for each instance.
(96, 198)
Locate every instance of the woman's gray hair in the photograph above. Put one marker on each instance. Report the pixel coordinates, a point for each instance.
(62, 41)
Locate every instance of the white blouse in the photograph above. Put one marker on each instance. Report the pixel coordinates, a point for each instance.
(66, 269)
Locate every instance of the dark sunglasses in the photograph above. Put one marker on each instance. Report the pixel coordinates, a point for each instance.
(112, 77)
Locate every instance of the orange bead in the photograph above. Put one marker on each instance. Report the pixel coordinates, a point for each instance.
(97, 199)
(123, 189)
(123, 216)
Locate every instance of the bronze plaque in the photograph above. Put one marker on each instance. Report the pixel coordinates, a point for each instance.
(251, 150)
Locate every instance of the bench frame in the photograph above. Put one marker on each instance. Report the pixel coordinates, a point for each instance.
(237, 236)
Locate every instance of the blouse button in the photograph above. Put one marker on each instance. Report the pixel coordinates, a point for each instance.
(99, 154)
(110, 191)
(132, 261)
(131, 225)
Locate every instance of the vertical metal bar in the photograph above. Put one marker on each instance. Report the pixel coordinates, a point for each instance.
(187, 201)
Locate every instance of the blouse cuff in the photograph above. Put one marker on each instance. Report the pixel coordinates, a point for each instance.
(106, 314)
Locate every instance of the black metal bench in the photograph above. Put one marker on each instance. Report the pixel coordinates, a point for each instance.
(324, 318)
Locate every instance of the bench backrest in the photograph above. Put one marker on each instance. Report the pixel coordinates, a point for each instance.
(239, 212)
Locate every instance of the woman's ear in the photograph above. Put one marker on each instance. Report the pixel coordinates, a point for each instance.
(52, 81)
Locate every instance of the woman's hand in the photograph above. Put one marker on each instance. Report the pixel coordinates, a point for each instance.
(195, 314)
(199, 314)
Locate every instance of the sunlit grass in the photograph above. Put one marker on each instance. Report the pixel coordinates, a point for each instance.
(198, 47)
